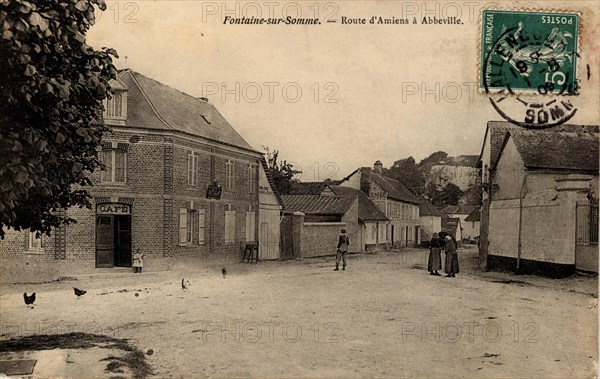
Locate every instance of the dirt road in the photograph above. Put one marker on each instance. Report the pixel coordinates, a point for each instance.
(383, 317)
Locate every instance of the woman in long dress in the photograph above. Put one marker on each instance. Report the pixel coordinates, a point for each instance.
(435, 257)
(451, 264)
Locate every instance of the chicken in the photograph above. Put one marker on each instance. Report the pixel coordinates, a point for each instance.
(185, 284)
(29, 300)
(79, 292)
(224, 272)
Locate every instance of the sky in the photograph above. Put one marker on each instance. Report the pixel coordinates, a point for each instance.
(334, 96)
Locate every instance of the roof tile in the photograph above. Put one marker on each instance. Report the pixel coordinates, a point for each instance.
(317, 204)
(154, 105)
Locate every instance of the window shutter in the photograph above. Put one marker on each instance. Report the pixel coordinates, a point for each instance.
(229, 226)
(195, 180)
(182, 225)
(201, 227)
(189, 169)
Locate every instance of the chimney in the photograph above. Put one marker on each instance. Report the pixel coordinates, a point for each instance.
(378, 167)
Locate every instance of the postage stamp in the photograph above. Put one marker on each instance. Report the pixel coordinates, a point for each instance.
(529, 65)
(529, 51)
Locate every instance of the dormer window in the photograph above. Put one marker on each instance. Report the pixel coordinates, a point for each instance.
(115, 106)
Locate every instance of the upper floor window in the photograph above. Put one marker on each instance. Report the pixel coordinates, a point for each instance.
(192, 164)
(116, 106)
(115, 162)
(229, 178)
(251, 179)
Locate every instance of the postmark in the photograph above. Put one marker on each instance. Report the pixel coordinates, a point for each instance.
(529, 65)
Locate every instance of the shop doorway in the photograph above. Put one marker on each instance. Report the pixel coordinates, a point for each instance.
(113, 237)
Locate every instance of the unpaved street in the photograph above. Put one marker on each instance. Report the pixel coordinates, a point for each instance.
(383, 317)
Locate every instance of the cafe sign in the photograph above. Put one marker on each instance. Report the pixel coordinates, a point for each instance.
(113, 209)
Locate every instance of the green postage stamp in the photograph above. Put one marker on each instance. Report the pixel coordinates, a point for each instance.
(529, 52)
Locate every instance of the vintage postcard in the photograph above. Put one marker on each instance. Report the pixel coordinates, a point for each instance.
(299, 189)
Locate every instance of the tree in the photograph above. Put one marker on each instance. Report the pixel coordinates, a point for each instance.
(51, 89)
(433, 159)
(282, 172)
(406, 171)
(474, 192)
(440, 196)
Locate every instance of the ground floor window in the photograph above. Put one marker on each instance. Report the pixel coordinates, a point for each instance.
(186, 223)
(229, 226)
(372, 232)
(35, 243)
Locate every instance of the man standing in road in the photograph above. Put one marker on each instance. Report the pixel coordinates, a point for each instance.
(342, 249)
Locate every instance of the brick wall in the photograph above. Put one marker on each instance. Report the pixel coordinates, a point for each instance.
(156, 187)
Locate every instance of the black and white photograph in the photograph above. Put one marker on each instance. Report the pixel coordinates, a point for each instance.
(299, 189)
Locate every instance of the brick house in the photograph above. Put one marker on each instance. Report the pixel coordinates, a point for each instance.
(396, 202)
(165, 150)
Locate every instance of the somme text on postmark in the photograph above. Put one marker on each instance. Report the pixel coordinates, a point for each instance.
(528, 65)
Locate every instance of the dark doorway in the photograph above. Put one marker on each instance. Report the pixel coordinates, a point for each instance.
(286, 245)
(122, 241)
(113, 241)
(392, 236)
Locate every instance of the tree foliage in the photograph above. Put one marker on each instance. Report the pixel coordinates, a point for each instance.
(442, 195)
(282, 172)
(433, 159)
(51, 89)
(407, 171)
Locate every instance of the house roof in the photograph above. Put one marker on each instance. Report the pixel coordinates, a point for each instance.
(474, 216)
(556, 150)
(428, 209)
(459, 209)
(154, 105)
(317, 204)
(263, 162)
(307, 188)
(367, 210)
(394, 188)
(450, 224)
(496, 132)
